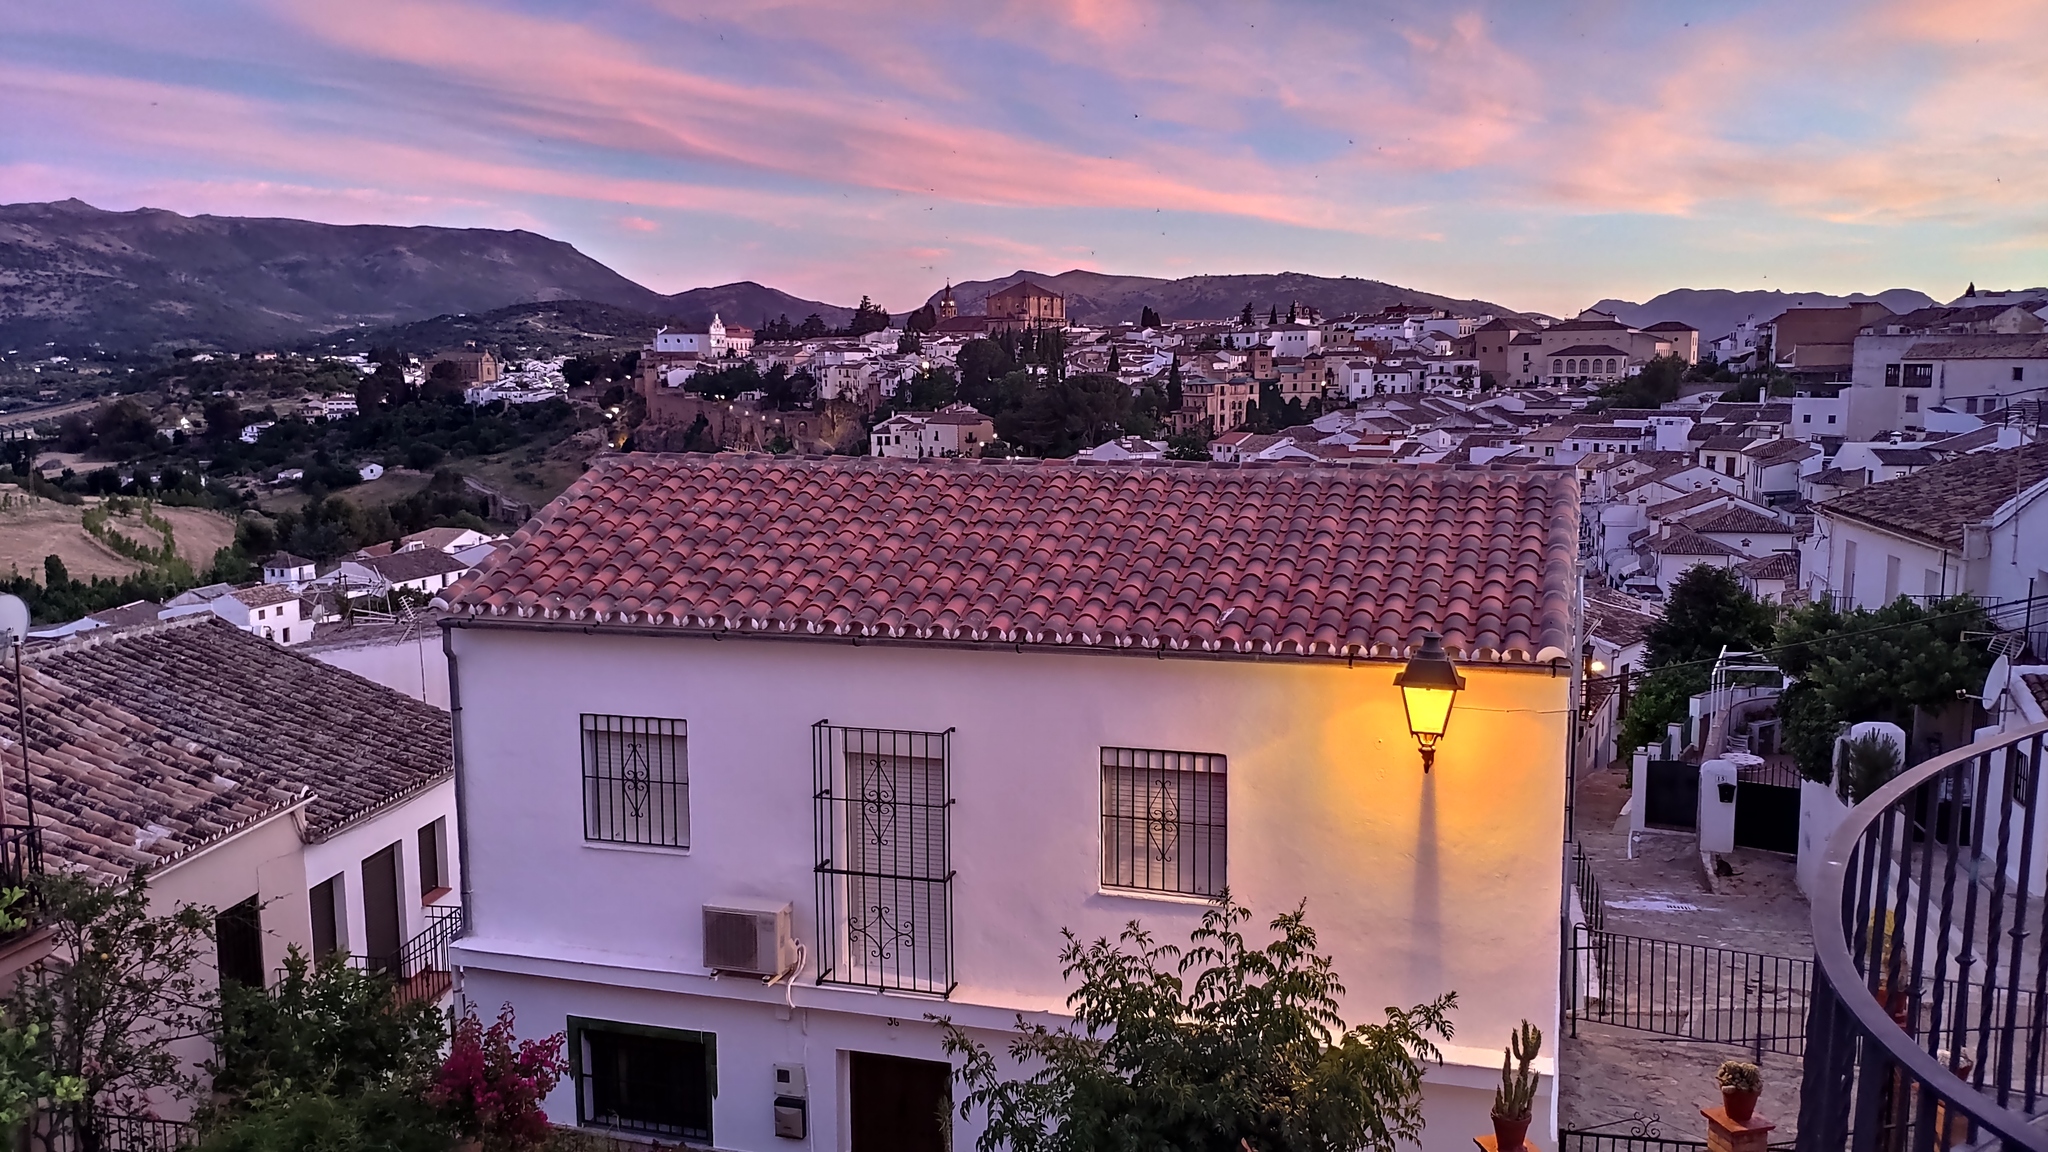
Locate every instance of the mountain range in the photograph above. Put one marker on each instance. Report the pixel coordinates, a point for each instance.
(1716, 311)
(74, 275)
(1099, 298)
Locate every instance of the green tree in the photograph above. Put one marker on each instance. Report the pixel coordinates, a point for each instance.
(1653, 387)
(1875, 664)
(26, 1078)
(1245, 317)
(1174, 395)
(1115, 364)
(813, 328)
(129, 991)
(335, 1030)
(928, 391)
(1148, 318)
(1068, 414)
(1215, 1047)
(1708, 610)
(868, 316)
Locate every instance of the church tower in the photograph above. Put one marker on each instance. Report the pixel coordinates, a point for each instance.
(948, 309)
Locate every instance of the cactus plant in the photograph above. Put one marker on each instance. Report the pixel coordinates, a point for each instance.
(1738, 1076)
(1517, 1095)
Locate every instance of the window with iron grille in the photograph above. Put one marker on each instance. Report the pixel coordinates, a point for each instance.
(885, 875)
(632, 1078)
(636, 781)
(1164, 821)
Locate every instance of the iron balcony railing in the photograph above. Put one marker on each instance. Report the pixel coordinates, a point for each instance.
(420, 969)
(1929, 1008)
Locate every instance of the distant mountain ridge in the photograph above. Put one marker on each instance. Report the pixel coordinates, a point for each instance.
(1716, 311)
(1101, 298)
(75, 276)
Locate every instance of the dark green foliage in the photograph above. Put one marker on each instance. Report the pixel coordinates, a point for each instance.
(923, 320)
(1877, 665)
(383, 1119)
(928, 391)
(114, 1017)
(1067, 415)
(726, 383)
(325, 528)
(1658, 699)
(1188, 446)
(1214, 1047)
(334, 1030)
(1807, 727)
(1866, 763)
(1708, 609)
(1653, 387)
(1148, 318)
(868, 316)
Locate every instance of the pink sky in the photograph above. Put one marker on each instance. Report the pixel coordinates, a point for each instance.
(1544, 156)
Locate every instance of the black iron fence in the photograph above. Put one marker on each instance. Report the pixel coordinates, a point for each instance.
(1753, 1000)
(421, 968)
(1929, 1010)
(1636, 1134)
(109, 1132)
(1588, 885)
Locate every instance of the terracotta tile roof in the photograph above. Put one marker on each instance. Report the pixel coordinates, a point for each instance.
(1780, 450)
(1935, 503)
(1295, 559)
(1776, 566)
(147, 743)
(1686, 503)
(259, 595)
(1618, 618)
(1686, 542)
(1737, 521)
(414, 565)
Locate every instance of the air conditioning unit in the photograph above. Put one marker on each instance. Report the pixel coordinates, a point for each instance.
(749, 936)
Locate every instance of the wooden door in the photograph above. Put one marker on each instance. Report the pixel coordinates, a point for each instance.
(899, 1105)
(382, 932)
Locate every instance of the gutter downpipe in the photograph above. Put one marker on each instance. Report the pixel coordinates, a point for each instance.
(461, 790)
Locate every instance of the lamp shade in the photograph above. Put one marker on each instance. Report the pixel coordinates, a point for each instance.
(1429, 686)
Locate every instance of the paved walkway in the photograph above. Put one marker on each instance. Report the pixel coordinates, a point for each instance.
(1609, 1074)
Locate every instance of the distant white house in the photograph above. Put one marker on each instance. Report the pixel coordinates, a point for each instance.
(294, 572)
(254, 432)
(708, 343)
(421, 570)
(272, 611)
(1124, 448)
(955, 431)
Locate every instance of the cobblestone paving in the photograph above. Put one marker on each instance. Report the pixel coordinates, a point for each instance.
(1610, 1074)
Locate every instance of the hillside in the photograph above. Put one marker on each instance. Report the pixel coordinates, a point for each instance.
(75, 275)
(1716, 311)
(555, 328)
(1096, 298)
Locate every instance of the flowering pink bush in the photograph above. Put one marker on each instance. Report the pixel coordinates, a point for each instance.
(492, 1083)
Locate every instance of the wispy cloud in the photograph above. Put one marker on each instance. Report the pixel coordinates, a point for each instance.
(847, 145)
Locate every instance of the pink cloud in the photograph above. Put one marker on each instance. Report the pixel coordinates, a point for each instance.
(637, 224)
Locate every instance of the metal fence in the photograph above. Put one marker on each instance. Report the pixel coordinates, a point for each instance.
(1929, 1022)
(1752, 1000)
(110, 1132)
(1638, 1133)
(1588, 885)
(421, 969)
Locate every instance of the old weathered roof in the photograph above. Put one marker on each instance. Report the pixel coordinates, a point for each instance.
(147, 743)
(419, 562)
(1776, 566)
(1736, 521)
(1935, 503)
(1283, 558)
(1617, 617)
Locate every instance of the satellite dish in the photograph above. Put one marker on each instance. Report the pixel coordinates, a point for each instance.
(1994, 684)
(13, 620)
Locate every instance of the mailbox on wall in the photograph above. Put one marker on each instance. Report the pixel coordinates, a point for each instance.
(791, 1102)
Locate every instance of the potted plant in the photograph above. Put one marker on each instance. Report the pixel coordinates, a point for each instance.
(1740, 1082)
(1515, 1100)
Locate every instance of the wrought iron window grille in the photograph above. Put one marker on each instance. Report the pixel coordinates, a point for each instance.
(884, 858)
(1165, 821)
(636, 781)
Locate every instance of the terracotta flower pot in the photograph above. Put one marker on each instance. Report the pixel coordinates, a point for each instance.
(1510, 1134)
(1739, 1103)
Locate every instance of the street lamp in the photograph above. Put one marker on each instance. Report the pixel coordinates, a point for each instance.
(1429, 685)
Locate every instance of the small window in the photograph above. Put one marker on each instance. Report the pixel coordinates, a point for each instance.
(635, 1079)
(1912, 403)
(2018, 373)
(1891, 375)
(1831, 417)
(433, 859)
(636, 781)
(326, 900)
(1164, 821)
(238, 944)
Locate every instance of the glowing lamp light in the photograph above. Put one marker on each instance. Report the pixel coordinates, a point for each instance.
(1429, 685)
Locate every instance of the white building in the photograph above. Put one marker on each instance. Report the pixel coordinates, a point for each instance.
(423, 571)
(886, 746)
(294, 572)
(708, 344)
(1124, 449)
(955, 431)
(1973, 524)
(272, 611)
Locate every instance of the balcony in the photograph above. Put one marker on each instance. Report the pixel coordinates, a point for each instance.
(420, 970)
(1929, 1020)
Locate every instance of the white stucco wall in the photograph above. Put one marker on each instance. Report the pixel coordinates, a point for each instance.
(414, 666)
(344, 852)
(1418, 884)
